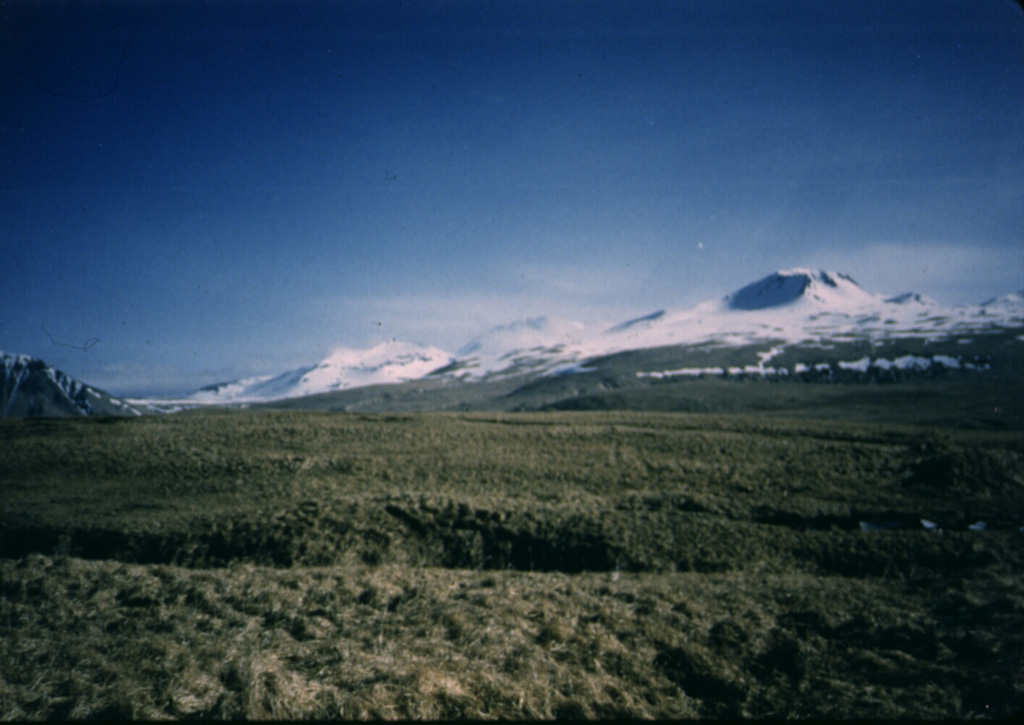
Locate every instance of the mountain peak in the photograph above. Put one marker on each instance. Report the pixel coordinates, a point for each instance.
(911, 298)
(791, 286)
(29, 387)
(391, 361)
(1011, 300)
(524, 334)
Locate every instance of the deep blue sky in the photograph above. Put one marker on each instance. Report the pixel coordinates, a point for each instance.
(201, 191)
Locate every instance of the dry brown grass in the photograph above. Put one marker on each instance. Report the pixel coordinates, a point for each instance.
(102, 639)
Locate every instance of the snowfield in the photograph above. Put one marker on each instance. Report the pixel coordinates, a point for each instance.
(388, 362)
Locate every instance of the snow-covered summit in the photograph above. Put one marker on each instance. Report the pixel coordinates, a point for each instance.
(10, 361)
(1012, 301)
(393, 361)
(387, 362)
(832, 290)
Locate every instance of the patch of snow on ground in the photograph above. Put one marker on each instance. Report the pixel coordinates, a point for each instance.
(682, 371)
(864, 364)
(164, 405)
(911, 362)
(861, 365)
(763, 357)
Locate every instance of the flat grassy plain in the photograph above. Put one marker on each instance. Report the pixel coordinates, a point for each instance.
(294, 564)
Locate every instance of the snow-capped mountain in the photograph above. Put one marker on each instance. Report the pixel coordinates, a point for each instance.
(781, 325)
(532, 340)
(1011, 302)
(786, 307)
(794, 307)
(30, 388)
(388, 362)
(803, 287)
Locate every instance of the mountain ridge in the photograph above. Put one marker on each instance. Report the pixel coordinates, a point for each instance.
(793, 286)
(791, 306)
(31, 388)
(392, 361)
(747, 332)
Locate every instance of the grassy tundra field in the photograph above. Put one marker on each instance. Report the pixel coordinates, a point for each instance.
(487, 565)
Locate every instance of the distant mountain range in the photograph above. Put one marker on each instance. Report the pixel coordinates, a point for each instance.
(779, 326)
(786, 308)
(796, 306)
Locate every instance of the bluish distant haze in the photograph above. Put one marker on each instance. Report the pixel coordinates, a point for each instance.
(192, 192)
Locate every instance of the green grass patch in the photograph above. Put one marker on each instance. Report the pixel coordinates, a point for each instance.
(494, 565)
